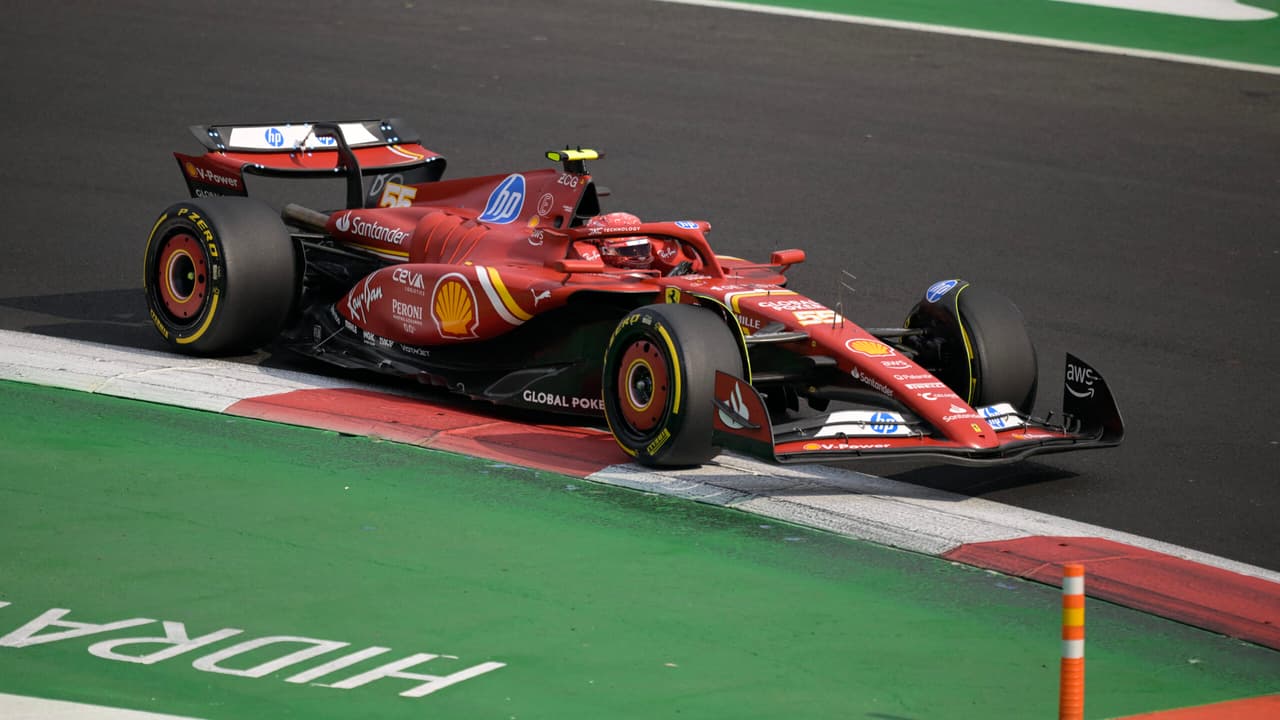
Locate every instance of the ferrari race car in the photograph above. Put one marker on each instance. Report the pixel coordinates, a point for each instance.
(505, 288)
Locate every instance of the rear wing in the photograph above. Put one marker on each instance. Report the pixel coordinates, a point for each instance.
(385, 150)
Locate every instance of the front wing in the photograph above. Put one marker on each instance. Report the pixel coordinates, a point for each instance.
(1090, 419)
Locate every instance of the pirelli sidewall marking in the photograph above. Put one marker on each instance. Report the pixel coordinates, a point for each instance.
(187, 218)
(217, 275)
(147, 280)
(677, 368)
(146, 256)
(172, 639)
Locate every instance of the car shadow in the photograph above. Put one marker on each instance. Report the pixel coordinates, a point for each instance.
(274, 358)
(110, 317)
(974, 481)
(119, 317)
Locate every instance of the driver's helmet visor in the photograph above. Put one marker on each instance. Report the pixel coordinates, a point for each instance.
(628, 250)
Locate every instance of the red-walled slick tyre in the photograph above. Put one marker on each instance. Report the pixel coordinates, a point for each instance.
(659, 382)
(220, 275)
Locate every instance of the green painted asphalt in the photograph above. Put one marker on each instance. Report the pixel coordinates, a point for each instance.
(600, 602)
(1255, 41)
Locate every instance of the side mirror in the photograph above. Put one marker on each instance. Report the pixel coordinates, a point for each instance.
(786, 258)
(568, 266)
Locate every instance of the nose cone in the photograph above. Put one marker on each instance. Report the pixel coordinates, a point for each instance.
(979, 436)
(966, 426)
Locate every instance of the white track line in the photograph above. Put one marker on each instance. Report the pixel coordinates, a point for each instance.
(982, 34)
(853, 504)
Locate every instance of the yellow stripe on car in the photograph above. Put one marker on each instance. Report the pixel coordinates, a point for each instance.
(571, 155)
(507, 300)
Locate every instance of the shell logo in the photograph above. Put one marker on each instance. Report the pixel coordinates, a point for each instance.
(453, 307)
(874, 348)
(812, 446)
(190, 168)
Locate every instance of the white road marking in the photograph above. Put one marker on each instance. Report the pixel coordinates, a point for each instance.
(983, 34)
(20, 707)
(1201, 9)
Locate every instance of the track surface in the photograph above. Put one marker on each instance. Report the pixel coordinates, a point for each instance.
(1129, 206)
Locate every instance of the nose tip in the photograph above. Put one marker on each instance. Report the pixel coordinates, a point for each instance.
(977, 435)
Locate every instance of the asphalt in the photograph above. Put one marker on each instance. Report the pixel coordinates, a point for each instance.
(1129, 206)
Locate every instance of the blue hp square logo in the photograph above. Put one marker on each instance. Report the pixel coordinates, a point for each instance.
(505, 202)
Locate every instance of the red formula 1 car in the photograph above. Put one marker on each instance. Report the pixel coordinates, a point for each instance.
(509, 288)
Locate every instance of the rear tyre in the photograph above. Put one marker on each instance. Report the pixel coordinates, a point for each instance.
(976, 342)
(220, 275)
(659, 382)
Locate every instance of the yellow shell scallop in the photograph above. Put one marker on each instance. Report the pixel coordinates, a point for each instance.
(454, 309)
(869, 347)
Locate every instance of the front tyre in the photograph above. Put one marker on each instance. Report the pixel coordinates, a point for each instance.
(220, 275)
(659, 382)
(976, 342)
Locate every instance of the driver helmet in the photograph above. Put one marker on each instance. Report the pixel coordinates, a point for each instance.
(632, 252)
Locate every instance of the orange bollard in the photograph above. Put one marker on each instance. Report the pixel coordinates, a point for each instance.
(1071, 673)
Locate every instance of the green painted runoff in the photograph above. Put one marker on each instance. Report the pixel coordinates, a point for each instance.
(1246, 41)
(599, 602)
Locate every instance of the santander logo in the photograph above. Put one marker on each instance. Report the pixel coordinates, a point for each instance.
(370, 230)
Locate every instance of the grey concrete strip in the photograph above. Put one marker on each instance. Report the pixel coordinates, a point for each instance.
(20, 707)
(879, 510)
(198, 383)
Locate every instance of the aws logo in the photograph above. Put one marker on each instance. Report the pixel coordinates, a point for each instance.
(505, 202)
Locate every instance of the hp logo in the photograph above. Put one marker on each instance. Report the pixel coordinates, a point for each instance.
(505, 202)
